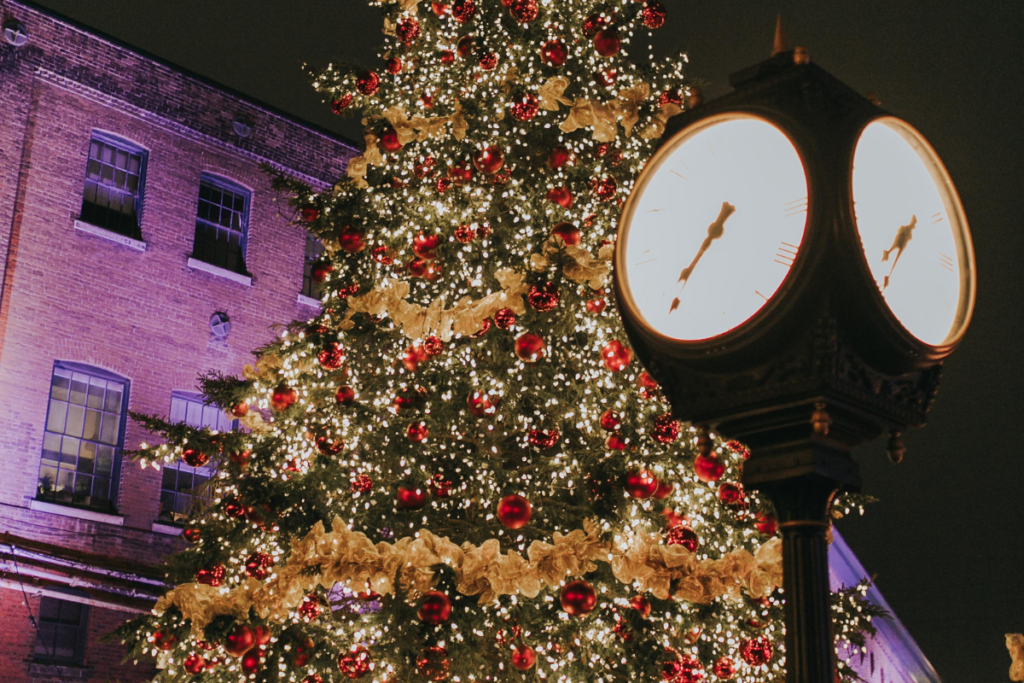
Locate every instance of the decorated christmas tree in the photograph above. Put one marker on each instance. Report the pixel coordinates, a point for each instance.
(457, 471)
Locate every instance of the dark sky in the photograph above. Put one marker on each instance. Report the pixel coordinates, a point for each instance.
(947, 538)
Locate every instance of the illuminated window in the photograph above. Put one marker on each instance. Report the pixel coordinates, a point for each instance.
(314, 252)
(113, 185)
(83, 437)
(222, 220)
(182, 485)
(61, 631)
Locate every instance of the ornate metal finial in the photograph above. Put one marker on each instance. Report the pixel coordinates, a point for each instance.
(820, 420)
(781, 44)
(895, 447)
(704, 444)
(801, 55)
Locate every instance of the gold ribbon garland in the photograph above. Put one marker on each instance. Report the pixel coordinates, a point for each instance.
(1015, 644)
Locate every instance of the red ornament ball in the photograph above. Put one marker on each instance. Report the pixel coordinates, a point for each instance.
(432, 663)
(240, 410)
(616, 442)
(568, 233)
(261, 634)
(607, 78)
(488, 61)
(708, 468)
(283, 397)
(724, 668)
(393, 65)
(559, 157)
(640, 484)
(164, 641)
(435, 608)
(607, 42)
(683, 669)
(439, 8)
(554, 53)
(368, 82)
(514, 511)
(251, 661)
(345, 395)
(670, 97)
(239, 641)
(433, 346)
(731, 495)
(766, 524)
(596, 306)
(523, 657)
(489, 160)
(757, 651)
(543, 298)
(560, 196)
(425, 246)
(653, 14)
(340, 104)
(592, 24)
(412, 498)
(355, 663)
(439, 486)
(413, 356)
(739, 449)
(447, 57)
(408, 30)
(641, 604)
(192, 534)
(389, 141)
(309, 213)
(610, 421)
(605, 188)
(578, 598)
(194, 458)
(523, 11)
(465, 46)
(257, 565)
(524, 107)
(351, 239)
(310, 607)
(480, 405)
(666, 428)
(543, 438)
(616, 356)
(332, 357)
(684, 536)
(505, 319)
(320, 271)
(529, 347)
(465, 233)
(417, 432)
(463, 10)
(648, 386)
(663, 491)
(194, 664)
(362, 483)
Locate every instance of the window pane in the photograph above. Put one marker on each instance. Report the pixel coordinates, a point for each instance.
(87, 457)
(104, 460)
(65, 482)
(92, 424)
(57, 416)
(60, 385)
(51, 448)
(96, 387)
(65, 642)
(194, 415)
(100, 493)
(111, 425)
(69, 450)
(76, 420)
(79, 388)
(169, 478)
(113, 402)
(83, 488)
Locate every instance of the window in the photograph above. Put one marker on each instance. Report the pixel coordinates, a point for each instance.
(113, 185)
(221, 222)
(314, 251)
(180, 488)
(83, 437)
(61, 633)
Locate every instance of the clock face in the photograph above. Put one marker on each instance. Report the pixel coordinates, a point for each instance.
(913, 231)
(713, 227)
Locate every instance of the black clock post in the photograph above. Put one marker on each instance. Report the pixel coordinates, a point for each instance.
(823, 366)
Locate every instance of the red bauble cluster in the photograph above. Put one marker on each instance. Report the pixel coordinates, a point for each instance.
(368, 82)
(554, 53)
(523, 657)
(708, 468)
(464, 233)
(240, 409)
(163, 641)
(543, 438)
(641, 604)
(309, 213)
(345, 395)
(666, 428)
(257, 565)
(757, 651)
(425, 245)
(640, 483)
(340, 104)
(560, 196)
(328, 445)
(607, 42)
(523, 11)
(605, 188)
(389, 140)
(211, 576)
(489, 160)
(435, 608)
(610, 421)
(524, 107)
(351, 240)
(310, 608)
(408, 30)
(648, 386)
(194, 664)
(592, 24)
(355, 663)
(684, 536)
(578, 598)
(488, 61)
(417, 432)
(394, 64)
(194, 458)
(432, 663)
(505, 319)
(544, 297)
(732, 495)
(616, 356)
(568, 233)
(653, 14)
(559, 157)
(463, 10)
(683, 669)
(480, 405)
(529, 347)
(439, 486)
(362, 483)
(724, 669)
(332, 357)
(414, 498)
(514, 511)
(283, 397)
(240, 640)
(739, 449)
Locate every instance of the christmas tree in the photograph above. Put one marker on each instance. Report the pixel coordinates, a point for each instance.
(457, 471)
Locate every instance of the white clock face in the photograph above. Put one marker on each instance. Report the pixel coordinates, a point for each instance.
(913, 231)
(713, 227)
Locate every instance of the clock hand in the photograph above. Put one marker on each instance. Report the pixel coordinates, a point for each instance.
(715, 230)
(903, 237)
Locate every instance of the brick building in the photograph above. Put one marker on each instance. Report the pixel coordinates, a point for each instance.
(140, 245)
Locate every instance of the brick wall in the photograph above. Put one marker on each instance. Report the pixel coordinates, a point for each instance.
(72, 296)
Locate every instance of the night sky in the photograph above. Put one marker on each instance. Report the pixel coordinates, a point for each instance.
(947, 537)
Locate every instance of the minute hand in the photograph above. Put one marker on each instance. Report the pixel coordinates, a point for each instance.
(715, 230)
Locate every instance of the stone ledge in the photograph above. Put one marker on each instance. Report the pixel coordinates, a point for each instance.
(79, 513)
(115, 237)
(61, 671)
(166, 529)
(196, 264)
(309, 301)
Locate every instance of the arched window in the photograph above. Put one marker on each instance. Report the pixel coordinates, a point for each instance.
(83, 438)
(222, 221)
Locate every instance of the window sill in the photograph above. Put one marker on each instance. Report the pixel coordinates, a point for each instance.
(166, 529)
(79, 513)
(309, 301)
(118, 238)
(196, 264)
(62, 671)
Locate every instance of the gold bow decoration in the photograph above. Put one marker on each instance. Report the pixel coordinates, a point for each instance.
(459, 125)
(552, 93)
(1015, 644)
(581, 267)
(604, 117)
(627, 105)
(399, 120)
(657, 126)
(358, 166)
(417, 321)
(349, 558)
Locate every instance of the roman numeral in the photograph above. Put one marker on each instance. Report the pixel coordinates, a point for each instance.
(679, 174)
(786, 254)
(761, 295)
(795, 207)
(938, 218)
(946, 262)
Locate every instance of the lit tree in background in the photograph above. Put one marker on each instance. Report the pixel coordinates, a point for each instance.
(457, 471)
